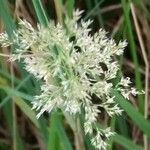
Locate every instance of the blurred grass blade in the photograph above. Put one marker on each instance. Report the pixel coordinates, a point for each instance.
(126, 143)
(56, 132)
(7, 19)
(63, 137)
(5, 100)
(58, 9)
(93, 10)
(10, 117)
(143, 8)
(41, 15)
(136, 116)
(132, 44)
(21, 104)
(13, 92)
(122, 126)
(26, 109)
(53, 138)
(99, 16)
(70, 6)
(8, 76)
(112, 125)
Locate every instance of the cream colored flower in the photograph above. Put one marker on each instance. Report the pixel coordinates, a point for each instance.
(73, 65)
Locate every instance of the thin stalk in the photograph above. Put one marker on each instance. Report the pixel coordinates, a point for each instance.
(78, 136)
(58, 9)
(99, 16)
(93, 10)
(13, 110)
(146, 70)
(126, 9)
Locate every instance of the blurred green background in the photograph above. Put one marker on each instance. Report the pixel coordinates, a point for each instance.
(19, 128)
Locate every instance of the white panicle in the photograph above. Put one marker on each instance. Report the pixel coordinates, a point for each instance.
(74, 66)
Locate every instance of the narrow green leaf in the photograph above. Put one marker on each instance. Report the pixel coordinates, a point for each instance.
(136, 116)
(122, 126)
(41, 15)
(132, 44)
(56, 132)
(70, 6)
(7, 109)
(143, 8)
(62, 136)
(10, 27)
(8, 76)
(5, 100)
(112, 125)
(99, 16)
(26, 109)
(7, 19)
(22, 105)
(13, 92)
(126, 143)
(93, 10)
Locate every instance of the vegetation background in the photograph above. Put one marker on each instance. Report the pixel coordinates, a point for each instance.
(123, 19)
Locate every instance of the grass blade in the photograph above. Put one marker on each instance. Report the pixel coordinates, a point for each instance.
(41, 15)
(136, 116)
(63, 137)
(57, 132)
(26, 109)
(126, 10)
(5, 100)
(70, 6)
(7, 19)
(126, 143)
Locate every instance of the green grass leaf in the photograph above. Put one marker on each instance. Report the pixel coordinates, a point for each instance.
(7, 19)
(6, 99)
(41, 15)
(133, 49)
(70, 6)
(26, 109)
(126, 143)
(136, 116)
(57, 134)
(13, 92)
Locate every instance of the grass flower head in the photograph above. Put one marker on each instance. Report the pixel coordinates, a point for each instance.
(74, 66)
